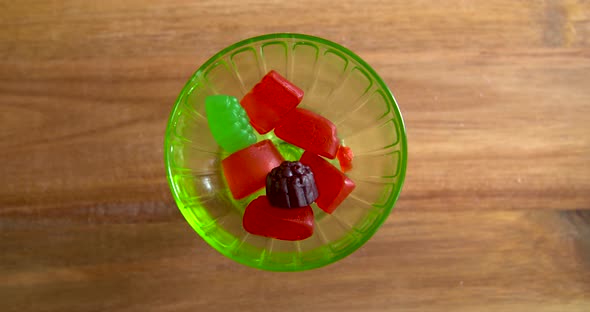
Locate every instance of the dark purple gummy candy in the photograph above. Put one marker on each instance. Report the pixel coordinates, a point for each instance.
(291, 185)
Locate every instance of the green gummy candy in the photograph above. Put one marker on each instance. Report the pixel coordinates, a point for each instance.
(229, 123)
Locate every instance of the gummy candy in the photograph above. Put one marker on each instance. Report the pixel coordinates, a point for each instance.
(246, 169)
(309, 131)
(345, 156)
(333, 185)
(260, 218)
(228, 123)
(270, 100)
(291, 185)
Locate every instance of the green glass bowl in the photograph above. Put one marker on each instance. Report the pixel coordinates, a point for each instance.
(338, 85)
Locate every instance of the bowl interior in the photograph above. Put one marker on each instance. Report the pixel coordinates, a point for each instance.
(339, 86)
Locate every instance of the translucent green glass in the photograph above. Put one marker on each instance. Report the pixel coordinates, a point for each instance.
(340, 86)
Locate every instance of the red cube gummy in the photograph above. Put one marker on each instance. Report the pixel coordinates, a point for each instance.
(270, 100)
(333, 186)
(345, 156)
(309, 131)
(246, 169)
(260, 218)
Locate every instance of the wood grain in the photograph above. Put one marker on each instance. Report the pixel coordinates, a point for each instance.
(436, 261)
(493, 215)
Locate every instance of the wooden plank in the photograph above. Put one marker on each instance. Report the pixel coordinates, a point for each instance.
(458, 261)
(493, 215)
(471, 138)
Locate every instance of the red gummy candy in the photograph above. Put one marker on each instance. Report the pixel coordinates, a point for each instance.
(270, 100)
(246, 169)
(260, 218)
(345, 156)
(309, 131)
(333, 186)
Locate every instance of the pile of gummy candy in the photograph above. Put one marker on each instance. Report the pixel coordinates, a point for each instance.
(291, 187)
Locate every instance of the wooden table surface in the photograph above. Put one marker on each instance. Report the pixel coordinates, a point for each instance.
(494, 215)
